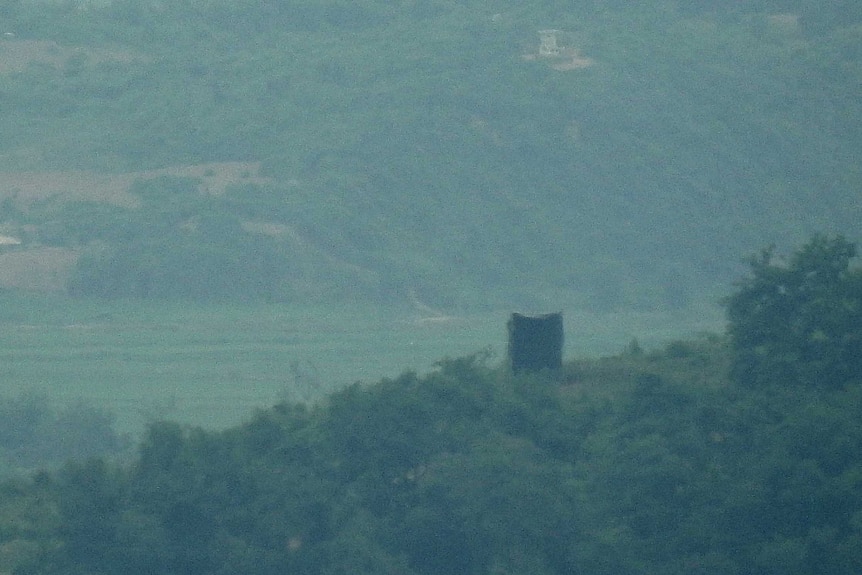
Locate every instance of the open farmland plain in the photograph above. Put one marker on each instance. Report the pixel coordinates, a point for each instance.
(212, 365)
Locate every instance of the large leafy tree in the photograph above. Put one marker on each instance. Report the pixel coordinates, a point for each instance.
(799, 320)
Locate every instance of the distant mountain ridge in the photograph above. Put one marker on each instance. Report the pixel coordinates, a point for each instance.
(435, 149)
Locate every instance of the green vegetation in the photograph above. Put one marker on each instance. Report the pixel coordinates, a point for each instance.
(799, 322)
(423, 148)
(646, 462)
(422, 157)
(211, 364)
(34, 433)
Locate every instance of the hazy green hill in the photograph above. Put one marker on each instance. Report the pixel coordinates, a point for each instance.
(635, 464)
(426, 147)
(721, 455)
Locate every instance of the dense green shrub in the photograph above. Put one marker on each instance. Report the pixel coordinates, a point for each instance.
(799, 321)
(644, 463)
(34, 433)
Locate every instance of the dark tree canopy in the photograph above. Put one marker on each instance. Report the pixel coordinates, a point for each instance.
(799, 320)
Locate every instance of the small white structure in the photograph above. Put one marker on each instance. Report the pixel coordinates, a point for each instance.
(9, 241)
(548, 43)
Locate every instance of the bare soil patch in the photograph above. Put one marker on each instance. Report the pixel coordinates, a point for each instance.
(48, 268)
(26, 188)
(573, 61)
(16, 55)
(40, 269)
(567, 59)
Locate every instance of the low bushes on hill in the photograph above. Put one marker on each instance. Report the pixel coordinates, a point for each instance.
(643, 463)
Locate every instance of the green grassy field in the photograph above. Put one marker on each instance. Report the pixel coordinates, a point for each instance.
(211, 365)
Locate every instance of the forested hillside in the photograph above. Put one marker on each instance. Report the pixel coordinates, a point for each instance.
(691, 459)
(428, 148)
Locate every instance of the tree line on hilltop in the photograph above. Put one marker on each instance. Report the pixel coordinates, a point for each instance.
(729, 454)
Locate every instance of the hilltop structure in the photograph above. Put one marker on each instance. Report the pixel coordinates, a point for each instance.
(557, 53)
(548, 46)
(535, 342)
